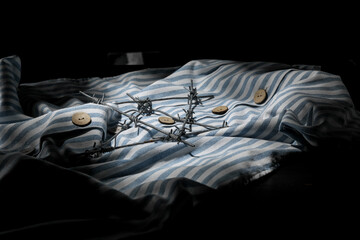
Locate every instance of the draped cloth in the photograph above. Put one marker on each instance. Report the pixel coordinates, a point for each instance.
(137, 187)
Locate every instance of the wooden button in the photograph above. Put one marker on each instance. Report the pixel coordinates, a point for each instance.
(81, 119)
(260, 96)
(166, 120)
(220, 110)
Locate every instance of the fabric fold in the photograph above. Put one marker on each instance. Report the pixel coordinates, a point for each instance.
(157, 167)
(325, 124)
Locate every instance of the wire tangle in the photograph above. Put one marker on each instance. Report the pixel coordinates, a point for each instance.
(145, 108)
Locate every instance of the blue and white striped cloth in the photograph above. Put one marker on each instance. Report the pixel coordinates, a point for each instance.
(304, 108)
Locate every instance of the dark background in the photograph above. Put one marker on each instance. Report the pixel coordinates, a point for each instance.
(76, 41)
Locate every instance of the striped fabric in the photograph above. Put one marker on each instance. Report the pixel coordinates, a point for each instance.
(304, 108)
(10, 74)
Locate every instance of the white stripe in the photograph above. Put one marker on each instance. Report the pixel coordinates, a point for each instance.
(45, 126)
(250, 152)
(238, 167)
(191, 173)
(153, 151)
(87, 145)
(179, 165)
(21, 127)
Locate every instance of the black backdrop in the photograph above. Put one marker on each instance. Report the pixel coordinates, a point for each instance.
(83, 50)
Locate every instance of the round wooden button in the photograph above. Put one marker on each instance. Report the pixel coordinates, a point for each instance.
(260, 96)
(166, 120)
(220, 110)
(81, 119)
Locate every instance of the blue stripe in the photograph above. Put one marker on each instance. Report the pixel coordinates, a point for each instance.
(254, 157)
(23, 132)
(168, 165)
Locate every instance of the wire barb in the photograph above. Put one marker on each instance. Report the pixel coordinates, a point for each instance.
(144, 106)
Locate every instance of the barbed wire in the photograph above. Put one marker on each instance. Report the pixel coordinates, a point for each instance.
(145, 107)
